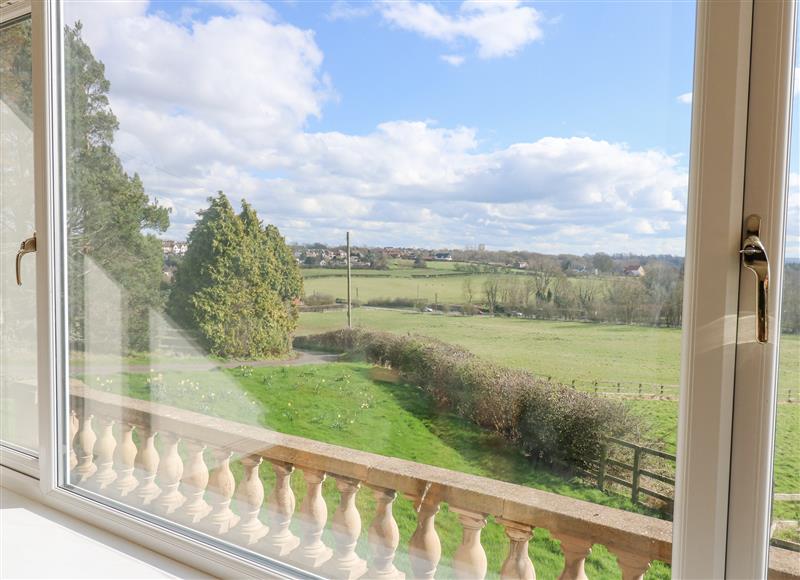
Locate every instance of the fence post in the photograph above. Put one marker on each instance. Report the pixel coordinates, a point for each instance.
(662, 390)
(637, 453)
(640, 389)
(595, 387)
(601, 470)
(618, 388)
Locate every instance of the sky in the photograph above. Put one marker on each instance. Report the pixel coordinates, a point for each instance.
(543, 126)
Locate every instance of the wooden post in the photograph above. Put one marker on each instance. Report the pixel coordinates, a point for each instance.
(601, 471)
(349, 302)
(637, 454)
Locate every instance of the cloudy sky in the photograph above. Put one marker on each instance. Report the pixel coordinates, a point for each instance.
(554, 127)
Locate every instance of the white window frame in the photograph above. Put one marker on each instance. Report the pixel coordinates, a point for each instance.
(723, 373)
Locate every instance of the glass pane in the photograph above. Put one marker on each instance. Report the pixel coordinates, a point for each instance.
(786, 474)
(18, 414)
(511, 179)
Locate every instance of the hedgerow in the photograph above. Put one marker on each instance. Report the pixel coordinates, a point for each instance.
(549, 421)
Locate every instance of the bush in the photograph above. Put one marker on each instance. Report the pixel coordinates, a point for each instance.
(319, 300)
(548, 421)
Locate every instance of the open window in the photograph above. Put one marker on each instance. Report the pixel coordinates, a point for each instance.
(480, 310)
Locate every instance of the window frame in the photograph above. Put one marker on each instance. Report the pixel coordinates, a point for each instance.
(710, 472)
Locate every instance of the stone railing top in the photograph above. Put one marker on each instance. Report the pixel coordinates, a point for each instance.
(614, 528)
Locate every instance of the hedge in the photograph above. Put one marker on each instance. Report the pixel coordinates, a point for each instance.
(548, 421)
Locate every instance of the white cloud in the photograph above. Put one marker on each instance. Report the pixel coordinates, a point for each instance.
(499, 27)
(223, 103)
(685, 98)
(453, 59)
(343, 10)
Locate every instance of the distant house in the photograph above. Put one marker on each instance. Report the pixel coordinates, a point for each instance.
(635, 271)
(173, 248)
(522, 265)
(443, 256)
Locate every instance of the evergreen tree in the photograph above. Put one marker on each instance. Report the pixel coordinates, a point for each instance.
(238, 284)
(108, 210)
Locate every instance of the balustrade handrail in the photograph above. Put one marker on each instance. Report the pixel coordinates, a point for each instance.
(636, 539)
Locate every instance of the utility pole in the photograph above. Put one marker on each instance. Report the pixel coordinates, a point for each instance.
(349, 303)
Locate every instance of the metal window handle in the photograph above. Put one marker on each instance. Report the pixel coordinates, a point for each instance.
(755, 259)
(26, 247)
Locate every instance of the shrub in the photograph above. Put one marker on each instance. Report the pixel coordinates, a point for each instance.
(548, 421)
(319, 300)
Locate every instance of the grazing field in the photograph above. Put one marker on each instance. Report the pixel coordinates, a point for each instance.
(439, 282)
(565, 351)
(339, 403)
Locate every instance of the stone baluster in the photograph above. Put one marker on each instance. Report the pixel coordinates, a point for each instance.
(633, 566)
(147, 465)
(384, 536)
(170, 471)
(194, 483)
(312, 552)
(575, 550)
(249, 498)
(124, 459)
(424, 547)
(346, 528)
(517, 565)
(220, 491)
(104, 448)
(86, 438)
(73, 431)
(279, 540)
(469, 561)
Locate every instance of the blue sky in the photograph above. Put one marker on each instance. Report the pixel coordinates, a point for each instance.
(558, 127)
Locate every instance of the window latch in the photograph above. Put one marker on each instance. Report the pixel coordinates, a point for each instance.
(755, 259)
(26, 247)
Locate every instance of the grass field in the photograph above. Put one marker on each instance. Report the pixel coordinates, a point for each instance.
(562, 350)
(340, 404)
(440, 281)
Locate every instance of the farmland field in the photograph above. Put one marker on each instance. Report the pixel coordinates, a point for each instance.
(440, 281)
(565, 351)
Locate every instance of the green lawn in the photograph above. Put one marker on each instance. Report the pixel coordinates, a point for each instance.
(339, 403)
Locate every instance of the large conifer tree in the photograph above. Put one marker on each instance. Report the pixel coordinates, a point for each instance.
(238, 284)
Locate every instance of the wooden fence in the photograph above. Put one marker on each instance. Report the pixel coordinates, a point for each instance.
(609, 470)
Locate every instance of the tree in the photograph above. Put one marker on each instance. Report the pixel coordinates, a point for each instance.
(661, 281)
(466, 290)
(108, 210)
(602, 262)
(419, 262)
(491, 289)
(238, 284)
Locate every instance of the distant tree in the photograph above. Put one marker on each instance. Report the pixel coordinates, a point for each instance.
(626, 297)
(603, 262)
(491, 289)
(585, 295)
(419, 262)
(661, 281)
(238, 284)
(378, 260)
(108, 210)
(466, 290)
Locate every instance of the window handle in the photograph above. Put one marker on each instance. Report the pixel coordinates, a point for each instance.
(755, 259)
(26, 247)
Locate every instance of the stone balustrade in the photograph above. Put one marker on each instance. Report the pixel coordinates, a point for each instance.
(153, 457)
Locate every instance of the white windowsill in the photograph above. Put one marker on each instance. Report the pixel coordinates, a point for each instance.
(39, 542)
